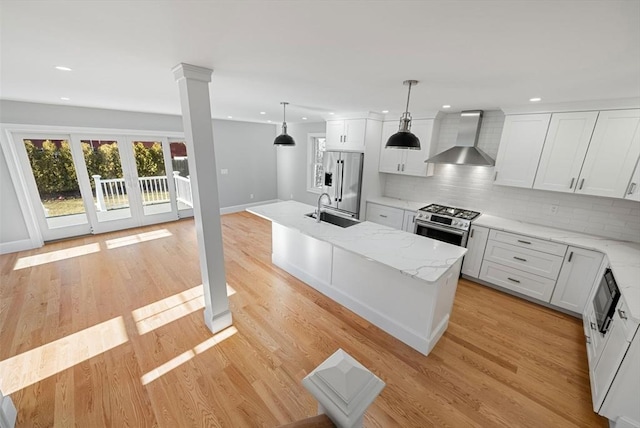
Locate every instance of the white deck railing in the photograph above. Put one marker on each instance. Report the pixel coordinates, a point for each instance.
(112, 193)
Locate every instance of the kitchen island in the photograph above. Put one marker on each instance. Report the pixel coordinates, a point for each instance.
(401, 282)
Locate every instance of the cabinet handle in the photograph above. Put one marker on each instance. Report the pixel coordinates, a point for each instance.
(581, 184)
(472, 230)
(572, 180)
(403, 167)
(588, 339)
(622, 314)
(495, 177)
(514, 280)
(632, 188)
(383, 216)
(524, 242)
(520, 258)
(592, 325)
(570, 257)
(398, 167)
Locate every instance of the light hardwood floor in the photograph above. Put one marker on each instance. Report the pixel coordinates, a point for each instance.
(91, 336)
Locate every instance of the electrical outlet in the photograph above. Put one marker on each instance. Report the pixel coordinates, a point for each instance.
(553, 209)
(251, 196)
(224, 171)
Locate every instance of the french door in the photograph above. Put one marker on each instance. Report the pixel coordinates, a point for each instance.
(81, 183)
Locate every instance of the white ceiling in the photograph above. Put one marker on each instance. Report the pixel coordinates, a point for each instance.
(321, 56)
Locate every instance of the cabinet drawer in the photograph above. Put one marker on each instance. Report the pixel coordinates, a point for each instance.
(387, 216)
(525, 283)
(528, 242)
(531, 261)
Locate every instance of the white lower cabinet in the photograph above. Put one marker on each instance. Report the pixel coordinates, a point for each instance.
(577, 277)
(387, 216)
(476, 244)
(409, 223)
(521, 282)
(392, 217)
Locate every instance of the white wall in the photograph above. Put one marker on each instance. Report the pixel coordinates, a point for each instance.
(472, 187)
(12, 225)
(292, 163)
(245, 149)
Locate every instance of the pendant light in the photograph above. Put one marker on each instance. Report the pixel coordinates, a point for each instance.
(284, 139)
(404, 139)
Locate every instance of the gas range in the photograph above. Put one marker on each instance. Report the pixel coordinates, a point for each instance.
(456, 218)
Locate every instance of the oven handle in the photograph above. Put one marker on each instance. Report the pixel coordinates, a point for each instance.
(442, 229)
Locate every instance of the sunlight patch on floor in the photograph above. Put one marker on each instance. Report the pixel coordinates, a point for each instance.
(136, 239)
(169, 309)
(188, 355)
(37, 364)
(54, 256)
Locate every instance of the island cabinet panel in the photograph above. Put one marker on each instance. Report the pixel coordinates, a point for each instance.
(412, 310)
(309, 255)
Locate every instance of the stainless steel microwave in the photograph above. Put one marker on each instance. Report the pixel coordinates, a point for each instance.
(605, 301)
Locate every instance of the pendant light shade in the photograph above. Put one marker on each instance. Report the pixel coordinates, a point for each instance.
(404, 139)
(284, 139)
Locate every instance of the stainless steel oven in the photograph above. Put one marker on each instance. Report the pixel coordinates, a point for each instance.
(442, 233)
(445, 224)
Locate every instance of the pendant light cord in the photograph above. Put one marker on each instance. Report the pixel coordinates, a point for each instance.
(408, 97)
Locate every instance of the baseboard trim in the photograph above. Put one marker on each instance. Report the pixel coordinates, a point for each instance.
(238, 208)
(15, 246)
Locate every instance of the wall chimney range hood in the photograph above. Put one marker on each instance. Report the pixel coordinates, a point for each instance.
(465, 152)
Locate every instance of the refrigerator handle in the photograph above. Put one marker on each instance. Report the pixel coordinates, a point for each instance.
(341, 180)
(338, 181)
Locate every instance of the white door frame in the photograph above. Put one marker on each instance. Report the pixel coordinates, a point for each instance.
(9, 147)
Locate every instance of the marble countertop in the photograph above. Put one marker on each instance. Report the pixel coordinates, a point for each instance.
(413, 255)
(397, 203)
(624, 257)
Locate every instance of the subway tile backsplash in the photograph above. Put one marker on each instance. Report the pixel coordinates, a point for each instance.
(472, 187)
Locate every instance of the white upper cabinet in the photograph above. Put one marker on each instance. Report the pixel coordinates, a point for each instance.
(612, 154)
(406, 161)
(564, 151)
(520, 149)
(633, 191)
(346, 134)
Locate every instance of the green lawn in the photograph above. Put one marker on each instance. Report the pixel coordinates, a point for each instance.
(71, 205)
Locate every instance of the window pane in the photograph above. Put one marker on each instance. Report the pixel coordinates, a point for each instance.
(152, 177)
(55, 176)
(181, 177)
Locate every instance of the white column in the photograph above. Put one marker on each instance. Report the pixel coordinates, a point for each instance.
(344, 389)
(193, 83)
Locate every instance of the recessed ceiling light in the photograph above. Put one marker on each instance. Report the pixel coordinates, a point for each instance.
(268, 121)
(263, 112)
(304, 118)
(61, 68)
(229, 117)
(65, 98)
(331, 113)
(385, 111)
(446, 106)
(535, 100)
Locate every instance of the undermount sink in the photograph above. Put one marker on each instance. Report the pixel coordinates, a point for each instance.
(334, 219)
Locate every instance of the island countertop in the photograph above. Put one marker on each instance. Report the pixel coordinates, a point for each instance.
(413, 255)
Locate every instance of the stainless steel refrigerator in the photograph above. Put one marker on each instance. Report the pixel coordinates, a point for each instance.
(343, 181)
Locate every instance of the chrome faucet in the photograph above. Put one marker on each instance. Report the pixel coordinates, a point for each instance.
(320, 205)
